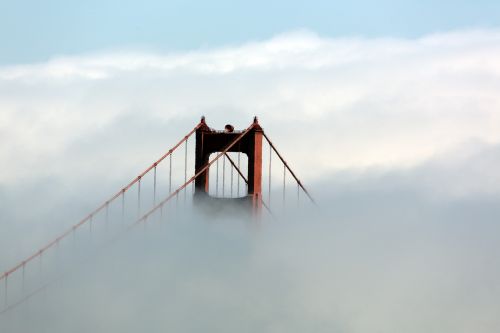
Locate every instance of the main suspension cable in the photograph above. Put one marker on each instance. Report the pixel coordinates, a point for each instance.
(289, 169)
(98, 209)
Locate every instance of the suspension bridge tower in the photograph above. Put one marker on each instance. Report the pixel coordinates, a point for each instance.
(148, 197)
(248, 142)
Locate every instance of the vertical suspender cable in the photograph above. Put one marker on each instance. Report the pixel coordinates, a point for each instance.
(123, 206)
(107, 215)
(154, 186)
(223, 174)
(41, 263)
(232, 171)
(185, 166)
(6, 289)
(139, 197)
(239, 153)
(298, 195)
(24, 277)
(170, 175)
(90, 225)
(192, 189)
(217, 178)
(284, 185)
(58, 256)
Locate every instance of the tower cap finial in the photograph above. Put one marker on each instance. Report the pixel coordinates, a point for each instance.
(255, 120)
(202, 119)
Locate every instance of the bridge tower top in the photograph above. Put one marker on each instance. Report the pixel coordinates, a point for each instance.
(210, 141)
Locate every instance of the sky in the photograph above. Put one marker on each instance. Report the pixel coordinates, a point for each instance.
(387, 111)
(33, 31)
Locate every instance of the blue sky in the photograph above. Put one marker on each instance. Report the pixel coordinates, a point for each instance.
(33, 31)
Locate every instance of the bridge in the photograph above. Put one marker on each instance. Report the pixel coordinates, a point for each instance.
(228, 178)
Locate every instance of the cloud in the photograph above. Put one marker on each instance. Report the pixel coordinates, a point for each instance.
(398, 139)
(399, 263)
(353, 102)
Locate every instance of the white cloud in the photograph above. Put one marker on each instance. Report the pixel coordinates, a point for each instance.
(404, 120)
(343, 103)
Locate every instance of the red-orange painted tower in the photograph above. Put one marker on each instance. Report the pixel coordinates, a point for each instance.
(210, 141)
